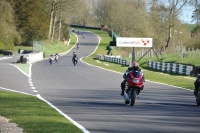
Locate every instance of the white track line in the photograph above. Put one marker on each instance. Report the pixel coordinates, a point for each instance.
(16, 91)
(105, 64)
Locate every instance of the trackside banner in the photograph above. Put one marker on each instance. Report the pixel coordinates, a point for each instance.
(134, 42)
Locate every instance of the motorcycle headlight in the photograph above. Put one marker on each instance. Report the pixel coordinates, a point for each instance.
(136, 80)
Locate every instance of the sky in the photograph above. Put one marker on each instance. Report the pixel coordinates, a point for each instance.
(187, 14)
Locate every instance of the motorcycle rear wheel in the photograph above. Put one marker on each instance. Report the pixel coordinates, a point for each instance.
(133, 97)
(75, 62)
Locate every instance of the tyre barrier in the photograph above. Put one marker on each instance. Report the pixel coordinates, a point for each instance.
(7, 53)
(171, 67)
(113, 59)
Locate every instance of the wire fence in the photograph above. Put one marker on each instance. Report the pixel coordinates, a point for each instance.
(181, 52)
(38, 46)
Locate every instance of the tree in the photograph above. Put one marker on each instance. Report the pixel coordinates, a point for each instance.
(57, 17)
(31, 19)
(8, 35)
(167, 15)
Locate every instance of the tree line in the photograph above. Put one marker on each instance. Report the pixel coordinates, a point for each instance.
(159, 19)
(23, 21)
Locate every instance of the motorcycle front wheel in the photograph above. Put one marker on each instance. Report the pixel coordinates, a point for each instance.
(133, 97)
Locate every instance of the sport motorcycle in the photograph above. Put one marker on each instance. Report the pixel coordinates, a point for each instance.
(134, 85)
(75, 60)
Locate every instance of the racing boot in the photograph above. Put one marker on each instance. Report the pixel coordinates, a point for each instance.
(122, 88)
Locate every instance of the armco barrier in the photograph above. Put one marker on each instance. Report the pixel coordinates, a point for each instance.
(171, 67)
(114, 59)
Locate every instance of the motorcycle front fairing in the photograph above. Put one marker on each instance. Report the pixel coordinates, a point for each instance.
(135, 79)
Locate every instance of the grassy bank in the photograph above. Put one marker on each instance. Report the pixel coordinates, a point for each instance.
(55, 47)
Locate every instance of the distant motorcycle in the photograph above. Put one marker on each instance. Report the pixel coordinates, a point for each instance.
(198, 93)
(51, 60)
(56, 58)
(134, 85)
(77, 46)
(75, 60)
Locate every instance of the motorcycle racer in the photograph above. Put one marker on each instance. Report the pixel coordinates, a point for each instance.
(56, 57)
(74, 57)
(135, 67)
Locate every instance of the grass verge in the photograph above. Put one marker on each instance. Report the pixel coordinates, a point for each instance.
(55, 47)
(23, 67)
(33, 115)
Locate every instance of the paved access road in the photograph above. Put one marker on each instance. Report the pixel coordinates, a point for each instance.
(91, 97)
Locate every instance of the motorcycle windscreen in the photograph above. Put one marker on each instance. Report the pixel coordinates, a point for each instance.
(136, 74)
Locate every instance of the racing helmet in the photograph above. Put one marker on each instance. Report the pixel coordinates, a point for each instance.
(135, 65)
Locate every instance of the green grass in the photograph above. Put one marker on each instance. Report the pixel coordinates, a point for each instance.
(23, 67)
(58, 47)
(49, 48)
(33, 115)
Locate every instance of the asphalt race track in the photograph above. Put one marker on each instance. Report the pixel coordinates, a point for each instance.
(91, 96)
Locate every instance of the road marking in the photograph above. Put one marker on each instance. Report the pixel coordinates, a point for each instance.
(16, 91)
(98, 61)
(35, 91)
(189, 78)
(105, 64)
(33, 88)
(30, 82)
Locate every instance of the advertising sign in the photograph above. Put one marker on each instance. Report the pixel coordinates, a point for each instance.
(134, 42)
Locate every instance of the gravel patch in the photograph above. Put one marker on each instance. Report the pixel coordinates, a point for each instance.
(7, 127)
